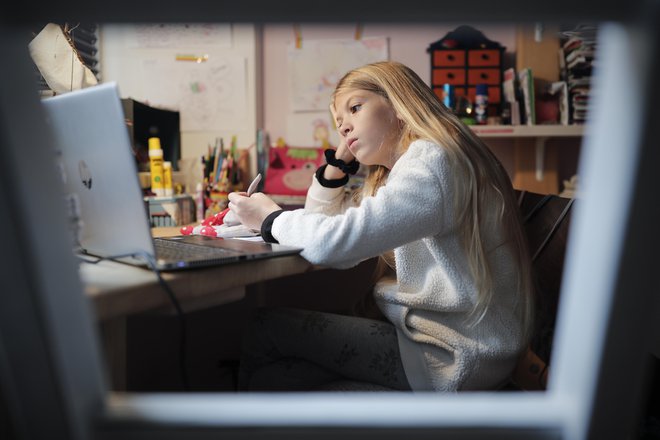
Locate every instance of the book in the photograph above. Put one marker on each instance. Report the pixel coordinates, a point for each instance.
(526, 80)
(558, 91)
(578, 49)
(509, 89)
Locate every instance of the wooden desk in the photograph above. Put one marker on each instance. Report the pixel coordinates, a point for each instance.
(119, 290)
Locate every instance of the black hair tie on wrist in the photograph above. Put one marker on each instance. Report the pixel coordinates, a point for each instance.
(348, 168)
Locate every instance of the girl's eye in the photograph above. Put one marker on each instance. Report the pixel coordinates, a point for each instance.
(355, 107)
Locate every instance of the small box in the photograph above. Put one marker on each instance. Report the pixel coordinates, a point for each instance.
(465, 58)
(178, 210)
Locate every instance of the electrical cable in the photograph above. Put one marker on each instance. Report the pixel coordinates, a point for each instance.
(181, 317)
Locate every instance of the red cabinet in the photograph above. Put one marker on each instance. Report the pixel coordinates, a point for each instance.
(465, 58)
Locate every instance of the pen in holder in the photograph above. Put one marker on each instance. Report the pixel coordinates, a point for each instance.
(224, 172)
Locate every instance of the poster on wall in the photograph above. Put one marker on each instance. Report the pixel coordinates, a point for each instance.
(316, 67)
(311, 129)
(189, 68)
(210, 95)
(178, 35)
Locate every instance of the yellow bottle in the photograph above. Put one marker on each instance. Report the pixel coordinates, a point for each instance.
(167, 179)
(156, 167)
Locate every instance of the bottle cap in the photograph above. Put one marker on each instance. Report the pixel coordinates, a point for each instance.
(154, 143)
(482, 89)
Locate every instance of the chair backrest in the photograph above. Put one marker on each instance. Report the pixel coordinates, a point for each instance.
(546, 220)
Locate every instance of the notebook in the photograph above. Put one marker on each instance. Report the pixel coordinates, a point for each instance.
(100, 175)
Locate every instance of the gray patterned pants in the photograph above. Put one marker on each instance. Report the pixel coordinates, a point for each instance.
(296, 350)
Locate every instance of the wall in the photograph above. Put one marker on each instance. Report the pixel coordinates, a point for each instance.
(122, 63)
(407, 44)
(265, 50)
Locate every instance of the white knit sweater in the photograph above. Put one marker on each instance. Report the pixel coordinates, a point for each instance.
(431, 299)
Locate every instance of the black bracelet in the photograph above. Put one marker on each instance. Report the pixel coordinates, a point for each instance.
(348, 168)
(329, 183)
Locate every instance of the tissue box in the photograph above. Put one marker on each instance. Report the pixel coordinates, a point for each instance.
(177, 210)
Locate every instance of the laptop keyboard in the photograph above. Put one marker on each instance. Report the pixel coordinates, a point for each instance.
(175, 250)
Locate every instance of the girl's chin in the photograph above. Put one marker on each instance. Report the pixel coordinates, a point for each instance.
(360, 157)
(365, 162)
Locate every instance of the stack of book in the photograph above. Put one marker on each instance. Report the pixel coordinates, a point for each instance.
(577, 55)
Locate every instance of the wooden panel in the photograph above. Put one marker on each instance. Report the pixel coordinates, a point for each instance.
(524, 157)
(118, 289)
(488, 57)
(448, 58)
(540, 56)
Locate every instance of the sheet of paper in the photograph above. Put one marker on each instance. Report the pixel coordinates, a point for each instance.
(258, 239)
(210, 95)
(190, 68)
(178, 35)
(310, 129)
(317, 66)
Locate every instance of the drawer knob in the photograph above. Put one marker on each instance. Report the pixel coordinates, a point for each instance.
(484, 56)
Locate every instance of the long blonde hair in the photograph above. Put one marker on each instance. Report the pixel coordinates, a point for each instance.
(479, 177)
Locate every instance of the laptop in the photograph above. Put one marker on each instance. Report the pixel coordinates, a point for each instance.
(100, 175)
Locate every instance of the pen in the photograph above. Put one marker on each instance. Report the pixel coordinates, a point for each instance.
(253, 185)
(218, 219)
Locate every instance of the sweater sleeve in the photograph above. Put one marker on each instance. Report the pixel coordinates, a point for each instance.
(325, 199)
(412, 205)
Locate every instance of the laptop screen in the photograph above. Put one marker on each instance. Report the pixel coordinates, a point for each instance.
(99, 170)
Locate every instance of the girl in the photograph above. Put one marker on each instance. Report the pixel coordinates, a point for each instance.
(458, 305)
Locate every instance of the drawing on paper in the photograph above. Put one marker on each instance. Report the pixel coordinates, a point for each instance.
(210, 95)
(181, 35)
(317, 66)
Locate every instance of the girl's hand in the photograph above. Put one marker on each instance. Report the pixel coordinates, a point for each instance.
(251, 211)
(342, 153)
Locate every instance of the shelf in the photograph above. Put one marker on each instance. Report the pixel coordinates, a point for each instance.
(538, 131)
(540, 134)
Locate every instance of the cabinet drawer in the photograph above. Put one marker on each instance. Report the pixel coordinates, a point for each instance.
(494, 94)
(448, 76)
(448, 58)
(462, 92)
(486, 57)
(484, 76)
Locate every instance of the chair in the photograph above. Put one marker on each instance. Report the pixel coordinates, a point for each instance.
(546, 220)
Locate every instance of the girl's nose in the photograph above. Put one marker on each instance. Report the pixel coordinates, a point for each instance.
(346, 128)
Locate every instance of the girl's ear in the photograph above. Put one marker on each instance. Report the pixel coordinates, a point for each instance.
(398, 116)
